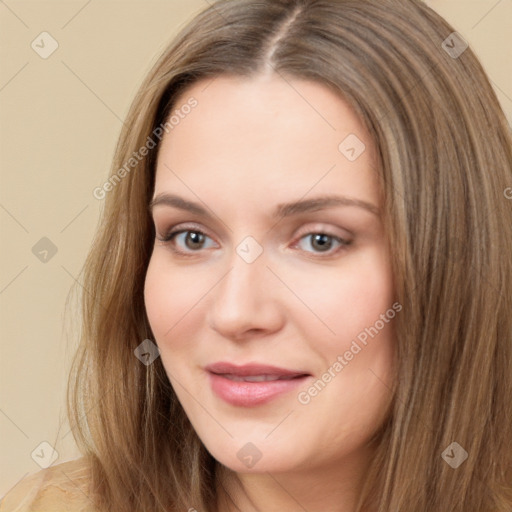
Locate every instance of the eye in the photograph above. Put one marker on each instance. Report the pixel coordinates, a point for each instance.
(187, 240)
(323, 242)
(193, 240)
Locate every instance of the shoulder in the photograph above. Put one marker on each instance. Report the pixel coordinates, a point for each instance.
(59, 488)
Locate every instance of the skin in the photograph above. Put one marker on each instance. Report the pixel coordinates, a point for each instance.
(249, 145)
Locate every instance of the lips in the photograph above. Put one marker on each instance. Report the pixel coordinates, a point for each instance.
(254, 378)
(252, 384)
(253, 370)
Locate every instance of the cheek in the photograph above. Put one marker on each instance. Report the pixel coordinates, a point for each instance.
(348, 299)
(159, 304)
(169, 296)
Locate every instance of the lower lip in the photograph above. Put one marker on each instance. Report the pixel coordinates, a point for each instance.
(249, 394)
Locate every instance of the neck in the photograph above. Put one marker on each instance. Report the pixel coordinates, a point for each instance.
(334, 488)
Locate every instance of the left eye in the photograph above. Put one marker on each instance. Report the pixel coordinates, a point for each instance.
(323, 242)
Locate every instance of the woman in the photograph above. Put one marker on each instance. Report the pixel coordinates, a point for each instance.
(300, 294)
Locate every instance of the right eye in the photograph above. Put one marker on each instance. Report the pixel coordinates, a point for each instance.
(191, 240)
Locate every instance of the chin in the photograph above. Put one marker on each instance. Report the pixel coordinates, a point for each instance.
(253, 458)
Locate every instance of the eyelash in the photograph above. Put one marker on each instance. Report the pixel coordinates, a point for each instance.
(168, 239)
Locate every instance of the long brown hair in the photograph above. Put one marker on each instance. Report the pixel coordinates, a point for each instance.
(445, 166)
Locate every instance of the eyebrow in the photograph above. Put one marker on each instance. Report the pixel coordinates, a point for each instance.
(281, 210)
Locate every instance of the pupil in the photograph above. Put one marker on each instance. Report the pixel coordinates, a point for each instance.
(195, 238)
(324, 241)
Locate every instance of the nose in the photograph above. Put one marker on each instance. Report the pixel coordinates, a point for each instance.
(246, 303)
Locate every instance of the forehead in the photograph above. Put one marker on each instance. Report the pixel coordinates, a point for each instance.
(248, 138)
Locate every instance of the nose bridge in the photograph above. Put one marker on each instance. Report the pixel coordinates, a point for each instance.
(244, 282)
(244, 299)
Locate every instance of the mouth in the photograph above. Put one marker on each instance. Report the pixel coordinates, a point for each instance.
(256, 378)
(252, 384)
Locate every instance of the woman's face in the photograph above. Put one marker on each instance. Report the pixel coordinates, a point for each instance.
(272, 307)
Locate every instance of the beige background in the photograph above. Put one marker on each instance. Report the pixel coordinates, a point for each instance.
(59, 120)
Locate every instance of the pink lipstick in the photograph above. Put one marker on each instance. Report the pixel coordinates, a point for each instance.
(252, 384)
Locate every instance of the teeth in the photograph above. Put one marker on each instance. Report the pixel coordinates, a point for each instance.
(254, 378)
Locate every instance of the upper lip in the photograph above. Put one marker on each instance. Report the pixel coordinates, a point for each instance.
(251, 369)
